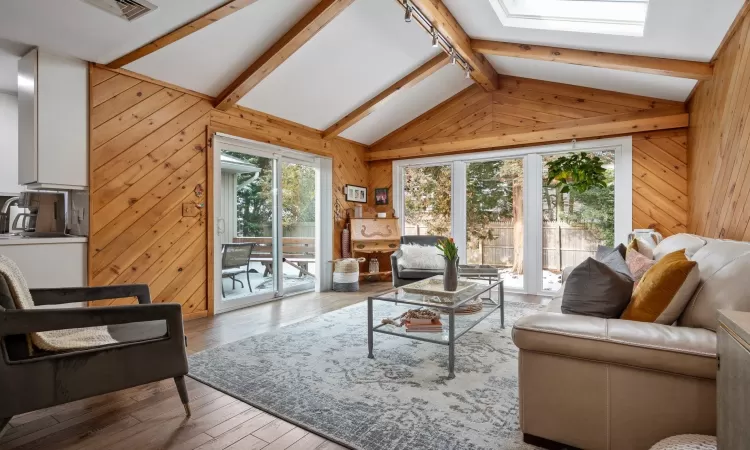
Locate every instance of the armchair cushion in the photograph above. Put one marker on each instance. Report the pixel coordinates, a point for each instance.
(679, 350)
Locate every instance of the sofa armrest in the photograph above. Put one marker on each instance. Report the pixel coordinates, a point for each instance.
(59, 296)
(394, 261)
(680, 350)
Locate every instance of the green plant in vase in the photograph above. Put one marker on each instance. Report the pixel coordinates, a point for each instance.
(450, 254)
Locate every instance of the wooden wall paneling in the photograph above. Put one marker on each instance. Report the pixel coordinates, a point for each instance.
(719, 140)
(147, 155)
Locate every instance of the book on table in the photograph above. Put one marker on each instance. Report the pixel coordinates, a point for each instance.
(424, 325)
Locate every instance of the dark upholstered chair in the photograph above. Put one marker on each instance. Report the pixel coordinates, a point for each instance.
(406, 276)
(151, 348)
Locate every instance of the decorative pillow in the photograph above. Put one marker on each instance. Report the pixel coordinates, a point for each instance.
(689, 242)
(414, 256)
(598, 288)
(638, 264)
(664, 290)
(602, 251)
(642, 247)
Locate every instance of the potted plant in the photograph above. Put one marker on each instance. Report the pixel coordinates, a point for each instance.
(450, 254)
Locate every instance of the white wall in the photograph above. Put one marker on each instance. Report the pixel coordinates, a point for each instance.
(9, 144)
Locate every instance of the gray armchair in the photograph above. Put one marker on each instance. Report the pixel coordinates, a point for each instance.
(406, 276)
(151, 347)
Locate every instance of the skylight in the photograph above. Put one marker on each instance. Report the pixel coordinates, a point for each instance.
(622, 17)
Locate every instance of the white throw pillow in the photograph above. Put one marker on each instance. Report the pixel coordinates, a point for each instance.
(421, 257)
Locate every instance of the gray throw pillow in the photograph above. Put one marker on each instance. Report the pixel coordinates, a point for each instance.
(598, 288)
(603, 251)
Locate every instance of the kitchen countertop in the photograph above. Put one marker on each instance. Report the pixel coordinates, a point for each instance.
(22, 240)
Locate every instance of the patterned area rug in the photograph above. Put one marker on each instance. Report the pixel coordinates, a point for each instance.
(316, 374)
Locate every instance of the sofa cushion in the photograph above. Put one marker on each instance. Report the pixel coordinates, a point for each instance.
(641, 246)
(418, 274)
(724, 268)
(415, 256)
(602, 251)
(690, 242)
(598, 288)
(679, 350)
(638, 264)
(664, 290)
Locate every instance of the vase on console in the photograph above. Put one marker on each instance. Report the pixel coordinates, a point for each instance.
(450, 254)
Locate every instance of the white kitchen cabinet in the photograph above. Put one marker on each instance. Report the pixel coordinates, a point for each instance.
(52, 121)
(47, 263)
(9, 145)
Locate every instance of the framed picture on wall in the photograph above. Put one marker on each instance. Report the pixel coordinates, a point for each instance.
(355, 193)
(381, 196)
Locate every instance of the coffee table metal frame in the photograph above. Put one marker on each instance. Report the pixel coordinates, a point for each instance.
(397, 296)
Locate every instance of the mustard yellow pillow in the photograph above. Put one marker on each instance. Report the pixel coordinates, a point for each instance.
(664, 290)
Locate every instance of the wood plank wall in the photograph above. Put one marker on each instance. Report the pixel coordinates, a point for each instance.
(660, 185)
(719, 153)
(148, 154)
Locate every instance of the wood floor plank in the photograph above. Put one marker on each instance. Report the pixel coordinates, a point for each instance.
(309, 442)
(235, 421)
(239, 433)
(273, 430)
(287, 440)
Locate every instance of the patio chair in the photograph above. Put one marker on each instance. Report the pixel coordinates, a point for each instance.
(235, 260)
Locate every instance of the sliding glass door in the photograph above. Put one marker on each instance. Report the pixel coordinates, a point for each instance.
(268, 222)
(504, 212)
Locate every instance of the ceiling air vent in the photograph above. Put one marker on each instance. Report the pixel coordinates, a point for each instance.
(124, 9)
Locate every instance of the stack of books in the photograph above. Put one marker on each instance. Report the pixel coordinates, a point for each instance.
(424, 325)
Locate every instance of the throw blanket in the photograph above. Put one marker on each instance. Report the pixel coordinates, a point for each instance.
(54, 341)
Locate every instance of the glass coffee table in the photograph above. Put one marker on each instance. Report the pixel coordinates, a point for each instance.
(490, 294)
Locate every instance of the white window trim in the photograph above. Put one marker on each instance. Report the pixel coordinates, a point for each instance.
(622, 146)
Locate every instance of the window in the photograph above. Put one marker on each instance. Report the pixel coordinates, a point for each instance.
(622, 17)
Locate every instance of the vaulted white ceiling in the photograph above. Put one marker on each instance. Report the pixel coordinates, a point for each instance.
(361, 52)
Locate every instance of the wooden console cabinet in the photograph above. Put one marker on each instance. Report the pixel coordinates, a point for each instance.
(375, 236)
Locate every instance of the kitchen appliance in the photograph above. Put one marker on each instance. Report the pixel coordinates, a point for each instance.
(8, 213)
(46, 216)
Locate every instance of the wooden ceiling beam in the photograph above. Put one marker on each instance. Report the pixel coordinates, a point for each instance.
(203, 21)
(538, 134)
(367, 108)
(631, 63)
(317, 18)
(444, 22)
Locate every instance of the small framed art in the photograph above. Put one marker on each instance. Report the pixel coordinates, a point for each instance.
(355, 193)
(381, 196)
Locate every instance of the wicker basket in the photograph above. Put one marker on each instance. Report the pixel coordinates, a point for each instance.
(346, 274)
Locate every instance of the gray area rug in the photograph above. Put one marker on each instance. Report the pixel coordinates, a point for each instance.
(316, 374)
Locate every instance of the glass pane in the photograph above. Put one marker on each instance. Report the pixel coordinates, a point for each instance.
(494, 217)
(298, 227)
(246, 217)
(427, 200)
(577, 219)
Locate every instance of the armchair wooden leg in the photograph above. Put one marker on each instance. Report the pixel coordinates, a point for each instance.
(182, 389)
(3, 424)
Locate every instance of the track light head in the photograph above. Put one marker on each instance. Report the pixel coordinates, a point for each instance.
(434, 38)
(407, 16)
(468, 73)
(453, 55)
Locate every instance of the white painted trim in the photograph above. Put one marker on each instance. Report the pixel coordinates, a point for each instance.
(532, 216)
(624, 190)
(324, 224)
(458, 208)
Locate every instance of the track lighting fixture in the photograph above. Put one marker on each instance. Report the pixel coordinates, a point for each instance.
(468, 73)
(407, 17)
(434, 38)
(453, 55)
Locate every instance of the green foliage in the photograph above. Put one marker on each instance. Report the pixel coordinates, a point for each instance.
(576, 172)
(489, 196)
(595, 209)
(449, 249)
(255, 196)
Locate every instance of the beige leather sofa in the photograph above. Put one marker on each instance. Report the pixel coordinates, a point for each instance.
(615, 384)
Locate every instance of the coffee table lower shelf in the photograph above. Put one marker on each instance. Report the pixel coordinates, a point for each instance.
(489, 307)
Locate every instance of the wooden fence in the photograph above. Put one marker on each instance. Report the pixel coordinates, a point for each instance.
(562, 245)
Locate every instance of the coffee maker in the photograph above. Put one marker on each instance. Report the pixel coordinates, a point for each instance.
(46, 216)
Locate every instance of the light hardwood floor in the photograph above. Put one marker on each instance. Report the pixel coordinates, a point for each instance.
(152, 417)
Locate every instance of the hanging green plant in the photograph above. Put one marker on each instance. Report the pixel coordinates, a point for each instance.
(578, 172)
